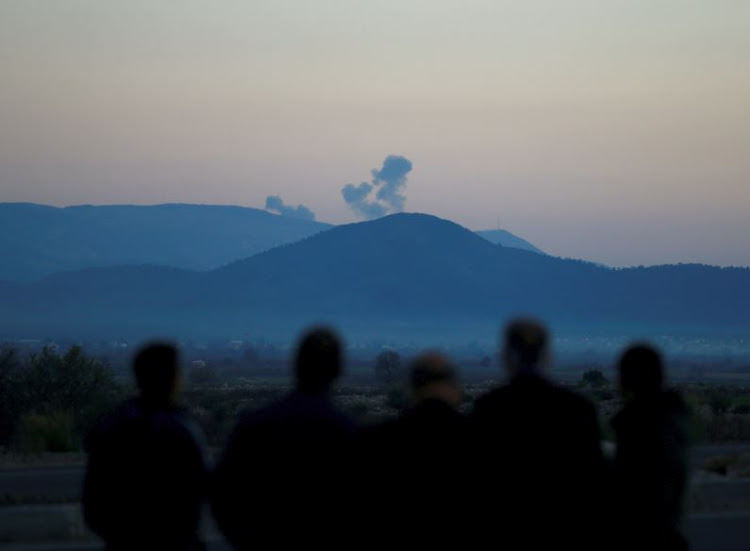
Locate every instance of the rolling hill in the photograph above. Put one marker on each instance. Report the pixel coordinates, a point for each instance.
(507, 239)
(399, 272)
(38, 240)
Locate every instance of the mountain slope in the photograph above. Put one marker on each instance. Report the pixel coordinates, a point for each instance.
(37, 240)
(405, 265)
(507, 239)
(397, 272)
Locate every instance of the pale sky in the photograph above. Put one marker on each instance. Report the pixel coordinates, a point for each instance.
(617, 131)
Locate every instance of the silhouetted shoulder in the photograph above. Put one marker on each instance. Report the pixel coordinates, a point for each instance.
(533, 394)
(424, 438)
(417, 465)
(650, 424)
(134, 430)
(300, 410)
(133, 420)
(651, 409)
(541, 462)
(146, 477)
(651, 467)
(289, 457)
(485, 404)
(430, 420)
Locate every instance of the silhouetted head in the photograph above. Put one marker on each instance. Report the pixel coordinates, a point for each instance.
(526, 348)
(641, 371)
(157, 373)
(434, 377)
(318, 360)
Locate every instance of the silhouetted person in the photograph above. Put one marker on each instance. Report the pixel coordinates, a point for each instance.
(283, 473)
(416, 464)
(146, 477)
(651, 464)
(540, 465)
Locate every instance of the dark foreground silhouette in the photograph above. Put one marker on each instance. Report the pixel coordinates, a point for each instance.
(540, 469)
(651, 462)
(525, 470)
(284, 475)
(146, 476)
(416, 466)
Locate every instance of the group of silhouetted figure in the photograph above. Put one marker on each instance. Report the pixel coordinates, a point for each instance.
(525, 469)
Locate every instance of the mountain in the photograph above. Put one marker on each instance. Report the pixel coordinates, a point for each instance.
(507, 239)
(38, 240)
(398, 274)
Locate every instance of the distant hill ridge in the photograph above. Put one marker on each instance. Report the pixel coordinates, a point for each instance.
(394, 274)
(38, 240)
(507, 239)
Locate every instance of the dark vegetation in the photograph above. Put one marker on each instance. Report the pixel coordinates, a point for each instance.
(49, 398)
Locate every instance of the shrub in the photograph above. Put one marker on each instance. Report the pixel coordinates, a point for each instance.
(51, 391)
(52, 432)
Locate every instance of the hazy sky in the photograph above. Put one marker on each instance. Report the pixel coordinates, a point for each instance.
(612, 130)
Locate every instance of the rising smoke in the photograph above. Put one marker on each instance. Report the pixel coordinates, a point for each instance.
(274, 203)
(384, 195)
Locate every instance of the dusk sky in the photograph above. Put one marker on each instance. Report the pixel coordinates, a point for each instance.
(617, 131)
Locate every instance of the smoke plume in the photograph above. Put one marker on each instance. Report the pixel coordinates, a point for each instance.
(385, 194)
(274, 203)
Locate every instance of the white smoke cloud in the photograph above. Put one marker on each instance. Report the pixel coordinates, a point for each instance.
(274, 203)
(384, 195)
